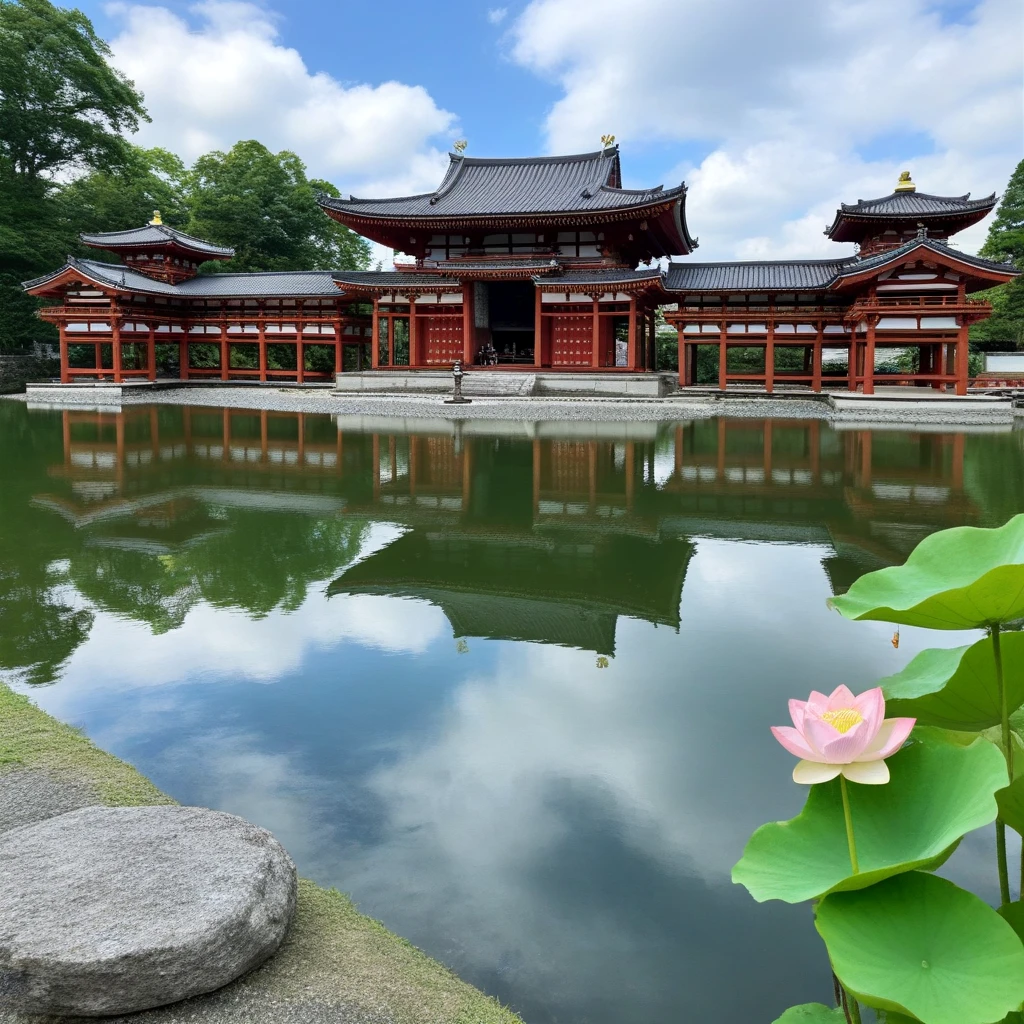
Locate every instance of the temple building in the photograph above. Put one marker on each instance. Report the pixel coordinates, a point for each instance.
(543, 263)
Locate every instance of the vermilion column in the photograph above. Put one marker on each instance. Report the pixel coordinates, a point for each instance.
(62, 344)
(595, 352)
(962, 352)
(869, 359)
(721, 357)
(115, 330)
(769, 358)
(224, 359)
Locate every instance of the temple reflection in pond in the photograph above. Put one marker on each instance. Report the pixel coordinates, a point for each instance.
(542, 532)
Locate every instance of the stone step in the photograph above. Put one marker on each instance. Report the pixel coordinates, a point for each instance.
(483, 383)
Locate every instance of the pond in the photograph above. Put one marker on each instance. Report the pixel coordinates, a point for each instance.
(509, 685)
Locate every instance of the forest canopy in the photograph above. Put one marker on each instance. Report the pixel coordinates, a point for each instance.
(67, 166)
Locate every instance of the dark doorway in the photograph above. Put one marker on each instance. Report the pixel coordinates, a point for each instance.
(511, 309)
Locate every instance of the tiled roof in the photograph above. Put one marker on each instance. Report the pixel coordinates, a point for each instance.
(787, 275)
(916, 204)
(858, 266)
(533, 185)
(576, 278)
(392, 279)
(283, 284)
(155, 234)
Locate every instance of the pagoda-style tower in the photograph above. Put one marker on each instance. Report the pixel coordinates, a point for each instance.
(880, 224)
(159, 251)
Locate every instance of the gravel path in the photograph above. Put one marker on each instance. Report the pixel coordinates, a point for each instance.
(594, 410)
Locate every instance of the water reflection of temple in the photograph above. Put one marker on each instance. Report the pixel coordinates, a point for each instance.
(543, 532)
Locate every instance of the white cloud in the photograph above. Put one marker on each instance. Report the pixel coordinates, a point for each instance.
(496, 15)
(229, 78)
(788, 101)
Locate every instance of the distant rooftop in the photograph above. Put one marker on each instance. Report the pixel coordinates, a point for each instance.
(156, 234)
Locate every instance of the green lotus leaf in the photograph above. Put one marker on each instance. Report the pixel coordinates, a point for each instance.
(938, 791)
(1010, 800)
(812, 1013)
(917, 944)
(1013, 915)
(957, 688)
(962, 578)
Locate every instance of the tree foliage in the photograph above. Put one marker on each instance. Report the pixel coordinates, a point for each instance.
(62, 106)
(263, 205)
(1005, 241)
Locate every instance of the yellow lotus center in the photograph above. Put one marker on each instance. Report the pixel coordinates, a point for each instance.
(843, 719)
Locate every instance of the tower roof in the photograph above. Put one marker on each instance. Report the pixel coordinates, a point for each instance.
(853, 221)
(157, 236)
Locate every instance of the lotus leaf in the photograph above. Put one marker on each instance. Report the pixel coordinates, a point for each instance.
(812, 1013)
(1010, 800)
(938, 792)
(957, 688)
(1013, 915)
(917, 944)
(962, 578)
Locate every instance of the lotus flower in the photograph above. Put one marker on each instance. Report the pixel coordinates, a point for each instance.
(842, 735)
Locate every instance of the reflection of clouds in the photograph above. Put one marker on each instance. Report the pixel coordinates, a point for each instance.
(225, 642)
(501, 821)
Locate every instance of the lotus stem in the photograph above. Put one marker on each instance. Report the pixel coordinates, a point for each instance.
(851, 842)
(1004, 872)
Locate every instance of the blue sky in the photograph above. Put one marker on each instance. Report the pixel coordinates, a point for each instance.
(772, 113)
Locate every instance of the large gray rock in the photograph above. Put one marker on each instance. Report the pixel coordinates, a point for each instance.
(109, 910)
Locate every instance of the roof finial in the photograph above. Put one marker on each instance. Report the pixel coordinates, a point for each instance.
(905, 184)
(157, 219)
(459, 145)
(922, 230)
(607, 140)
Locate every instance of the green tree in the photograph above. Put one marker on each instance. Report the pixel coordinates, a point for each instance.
(1005, 241)
(62, 106)
(63, 109)
(125, 196)
(263, 205)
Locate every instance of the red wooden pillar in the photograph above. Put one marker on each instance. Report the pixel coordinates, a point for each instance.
(414, 340)
(338, 341)
(769, 357)
(375, 332)
(962, 352)
(300, 355)
(151, 353)
(595, 351)
(115, 330)
(683, 357)
(819, 344)
(468, 324)
(183, 354)
(538, 328)
(261, 346)
(869, 358)
(721, 357)
(62, 345)
(224, 356)
(631, 344)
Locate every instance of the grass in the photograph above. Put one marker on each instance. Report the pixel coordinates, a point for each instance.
(332, 954)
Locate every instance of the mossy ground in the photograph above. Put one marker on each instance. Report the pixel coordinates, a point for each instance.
(332, 955)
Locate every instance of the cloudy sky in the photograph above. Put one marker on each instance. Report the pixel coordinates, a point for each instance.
(772, 113)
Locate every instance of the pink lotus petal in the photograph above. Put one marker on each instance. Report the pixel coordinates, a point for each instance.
(841, 697)
(867, 773)
(793, 741)
(871, 707)
(817, 702)
(808, 773)
(797, 710)
(890, 737)
(846, 747)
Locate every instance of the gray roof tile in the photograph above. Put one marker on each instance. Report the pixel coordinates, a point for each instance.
(787, 275)
(283, 284)
(155, 234)
(916, 204)
(480, 188)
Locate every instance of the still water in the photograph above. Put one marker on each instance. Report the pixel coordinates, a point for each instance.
(508, 685)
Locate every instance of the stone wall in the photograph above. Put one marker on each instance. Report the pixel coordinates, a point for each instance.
(15, 370)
